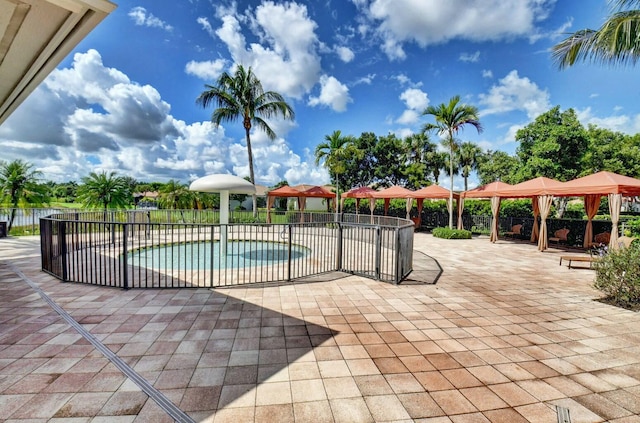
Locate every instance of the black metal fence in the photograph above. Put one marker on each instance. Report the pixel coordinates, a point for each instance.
(177, 249)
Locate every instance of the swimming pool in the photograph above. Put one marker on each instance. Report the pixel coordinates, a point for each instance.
(206, 255)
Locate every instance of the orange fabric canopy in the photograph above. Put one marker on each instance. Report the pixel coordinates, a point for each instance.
(433, 191)
(486, 191)
(360, 192)
(395, 191)
(600, 183)
(532, 188)
(284, 191)
(318, 192)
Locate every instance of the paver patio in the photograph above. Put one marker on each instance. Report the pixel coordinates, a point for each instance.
(505, 335)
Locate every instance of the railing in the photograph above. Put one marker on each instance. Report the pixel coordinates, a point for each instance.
(147, 249)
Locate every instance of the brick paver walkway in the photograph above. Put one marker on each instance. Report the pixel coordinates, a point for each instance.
(505, 335)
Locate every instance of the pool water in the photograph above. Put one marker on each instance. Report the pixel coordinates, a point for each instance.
(198, 255)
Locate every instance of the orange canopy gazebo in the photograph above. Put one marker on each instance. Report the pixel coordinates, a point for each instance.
(358, 194)
(435, 192)
(320, 192)
(395, 191)
(283, 191)
(594, 186)
(540, 190)
(491, 191)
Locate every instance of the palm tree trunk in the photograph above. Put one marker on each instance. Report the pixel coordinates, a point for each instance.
(451, 181)
(254, 197)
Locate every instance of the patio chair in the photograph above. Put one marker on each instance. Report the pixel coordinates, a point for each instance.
(601, 238)
(625, 241)
(516, 231)
(559, 236)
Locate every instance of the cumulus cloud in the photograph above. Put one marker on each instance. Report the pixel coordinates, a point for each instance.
(286, 60)
(515, 93)
(94, 118)
(429, 22)
(345, 54)
(208, 70)
(470, 57)
(628, 124)
(141, 17)
(416, 101)
(332, 93)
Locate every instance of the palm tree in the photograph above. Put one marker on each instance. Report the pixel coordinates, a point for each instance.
(105, 190)
(19, 187)
(467, 157)
(334, 152)
(617, 41)
(450, 119)
(174, 195)
(241, 96)
(437, 161)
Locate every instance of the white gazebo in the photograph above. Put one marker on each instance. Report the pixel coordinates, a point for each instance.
(225, 184)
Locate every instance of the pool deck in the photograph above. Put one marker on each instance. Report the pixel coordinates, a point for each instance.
(504, 334)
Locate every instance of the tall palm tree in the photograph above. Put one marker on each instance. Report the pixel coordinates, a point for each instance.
(333, 152)
(437, 161)
(241, 96)
(450, 119)
(468, 156)
(105, 190)
(20, 187)
(617, 41)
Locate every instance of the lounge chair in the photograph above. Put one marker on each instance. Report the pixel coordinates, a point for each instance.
(516, 231)
(625, 241)
(559, 236)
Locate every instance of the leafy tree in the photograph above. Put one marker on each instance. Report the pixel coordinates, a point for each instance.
(553, 146)
(617, 41)
(360, 161)
(449, 120)
(436, 162)
(104, 190)
(467, 158)
(390, 166)
(241, 96)
(20, 187)
(612, 151)
(497, 166)
(333, 153)
(175, 195)
(417, 149)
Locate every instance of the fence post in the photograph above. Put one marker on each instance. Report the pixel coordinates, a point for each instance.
(339, 252)
(378, 251)
(290, 228)
(125, 256)
(62, 240)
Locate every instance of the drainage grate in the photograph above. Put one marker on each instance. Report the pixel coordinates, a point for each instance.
(563, 414)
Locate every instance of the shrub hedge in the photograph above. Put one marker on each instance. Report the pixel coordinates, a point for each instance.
(447, 233)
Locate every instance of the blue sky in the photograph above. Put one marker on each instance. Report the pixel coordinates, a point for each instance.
(124, 100)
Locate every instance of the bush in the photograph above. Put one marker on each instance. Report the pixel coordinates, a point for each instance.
(618, 276)
(633, 226)
(447, 233)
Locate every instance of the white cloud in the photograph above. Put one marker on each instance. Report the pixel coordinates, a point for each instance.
(486, 73)
(208, 70)
(93, 118)
(332, 93)
(515, 93)
(620, 123)
(345, 54)
(206, 25)
(416, 101)
(430, 22)
(470, 57)
(142, 18)
(286, 59)
(367, 79)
